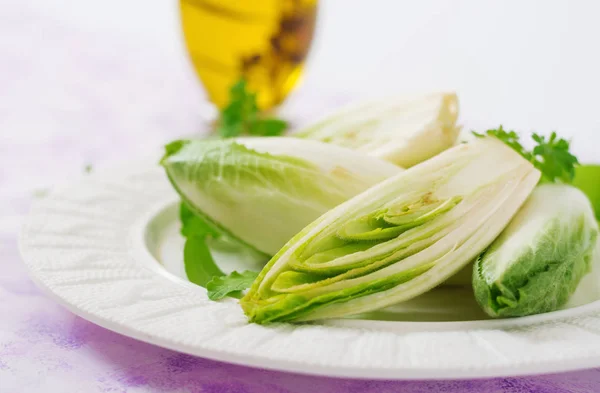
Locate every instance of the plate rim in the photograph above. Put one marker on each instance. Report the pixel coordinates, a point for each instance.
(302, 367)
(327, 371)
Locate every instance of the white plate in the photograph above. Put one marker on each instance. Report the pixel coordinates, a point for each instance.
(108, 249)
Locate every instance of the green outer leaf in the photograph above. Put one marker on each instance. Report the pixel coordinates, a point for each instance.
(535, 265)
(587, 179)
(200, 267)
(531, 285)
(173, 148)
(230, 285)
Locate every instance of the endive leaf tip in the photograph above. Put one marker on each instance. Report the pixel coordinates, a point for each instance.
(402, 130)
(173, 148)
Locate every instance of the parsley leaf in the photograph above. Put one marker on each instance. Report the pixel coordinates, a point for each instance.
(268, 127)
(551, 156)
(231, 285)
(242, 116)
(199, 264)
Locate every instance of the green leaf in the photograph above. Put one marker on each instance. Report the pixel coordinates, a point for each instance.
(194, 225)
(198, 260)
(230, 285)
(587, 179)
(200, 267)
(242, 116)
(268, 127)
(230, 130)
(553, 158)
(172, 148)
(199, 264)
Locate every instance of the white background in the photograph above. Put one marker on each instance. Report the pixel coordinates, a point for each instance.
(526, 64)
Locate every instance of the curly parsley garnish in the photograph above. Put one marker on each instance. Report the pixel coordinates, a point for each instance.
(551, 156)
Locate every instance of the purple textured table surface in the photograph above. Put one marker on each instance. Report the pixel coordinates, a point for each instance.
(82, 86)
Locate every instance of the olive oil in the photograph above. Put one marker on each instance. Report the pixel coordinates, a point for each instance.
(263, 41)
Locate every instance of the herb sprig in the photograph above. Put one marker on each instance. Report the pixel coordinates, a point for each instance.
(242, 116)
(551, 156)
(230, 285)
(200, 267)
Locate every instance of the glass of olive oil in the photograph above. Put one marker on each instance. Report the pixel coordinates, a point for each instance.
(263, 41)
